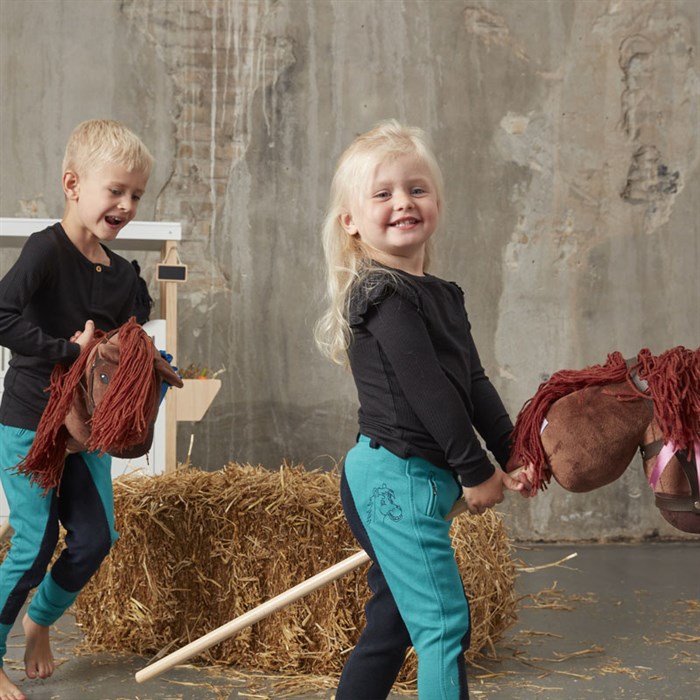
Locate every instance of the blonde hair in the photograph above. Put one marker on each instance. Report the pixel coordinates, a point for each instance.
(96, 142)
(347, 259)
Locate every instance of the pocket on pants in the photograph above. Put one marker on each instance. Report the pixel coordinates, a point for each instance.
(432, 495)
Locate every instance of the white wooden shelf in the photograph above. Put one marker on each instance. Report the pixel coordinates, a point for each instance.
(136, 235)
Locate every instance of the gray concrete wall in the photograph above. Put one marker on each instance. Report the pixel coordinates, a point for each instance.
(567, 130)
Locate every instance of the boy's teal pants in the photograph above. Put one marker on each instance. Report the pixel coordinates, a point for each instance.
(396, 509)
(83, 504)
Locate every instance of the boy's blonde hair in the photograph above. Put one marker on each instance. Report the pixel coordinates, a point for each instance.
(347, 259)
(96, 142)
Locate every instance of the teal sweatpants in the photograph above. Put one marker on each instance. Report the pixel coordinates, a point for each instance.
(83, 504)
(396, 509)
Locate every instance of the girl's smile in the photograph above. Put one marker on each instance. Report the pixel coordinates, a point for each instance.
(397, 214)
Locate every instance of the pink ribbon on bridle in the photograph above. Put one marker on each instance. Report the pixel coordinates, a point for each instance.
(664, 457)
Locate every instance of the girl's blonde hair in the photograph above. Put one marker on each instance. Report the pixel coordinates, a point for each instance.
(347, 259)
(96, 142)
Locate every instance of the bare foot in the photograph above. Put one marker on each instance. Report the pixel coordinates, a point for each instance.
(8, 690)
(38, 659)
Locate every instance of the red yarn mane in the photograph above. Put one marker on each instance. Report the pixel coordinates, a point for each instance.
(123, 416)
(674, 388)
(119, 421)
(674, 385)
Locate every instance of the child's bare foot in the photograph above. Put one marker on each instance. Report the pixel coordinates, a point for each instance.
(8, 690)
(38, 659)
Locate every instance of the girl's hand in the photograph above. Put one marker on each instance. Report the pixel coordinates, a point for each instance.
(84, 337)
(490, 492)
(526, 476)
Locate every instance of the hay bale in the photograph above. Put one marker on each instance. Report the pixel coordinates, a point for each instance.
(200, 548)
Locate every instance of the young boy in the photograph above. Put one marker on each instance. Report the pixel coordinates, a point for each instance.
(64, 285)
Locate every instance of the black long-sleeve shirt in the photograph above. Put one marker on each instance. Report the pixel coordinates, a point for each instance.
(48, 295)
(420, 382)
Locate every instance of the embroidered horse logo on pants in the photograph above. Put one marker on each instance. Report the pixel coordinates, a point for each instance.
(382, 504)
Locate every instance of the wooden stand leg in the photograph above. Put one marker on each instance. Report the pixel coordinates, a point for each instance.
(168, 311)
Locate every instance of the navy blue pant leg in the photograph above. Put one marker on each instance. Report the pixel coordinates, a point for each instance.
(86, 511)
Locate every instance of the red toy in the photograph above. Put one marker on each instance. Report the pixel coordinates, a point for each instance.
(106, 401)
(583, 427)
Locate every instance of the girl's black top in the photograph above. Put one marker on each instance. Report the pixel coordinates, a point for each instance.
(421, 386)
(48, 295)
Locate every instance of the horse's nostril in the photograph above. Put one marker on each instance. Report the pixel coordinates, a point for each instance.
(104, 378)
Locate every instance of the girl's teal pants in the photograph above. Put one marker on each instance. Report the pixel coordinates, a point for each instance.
(396, 509)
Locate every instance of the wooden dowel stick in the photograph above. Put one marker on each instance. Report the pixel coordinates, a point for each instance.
(252, 616)
(5, 531)
(264, 610)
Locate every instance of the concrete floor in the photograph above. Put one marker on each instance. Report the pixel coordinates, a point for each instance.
(616, 621)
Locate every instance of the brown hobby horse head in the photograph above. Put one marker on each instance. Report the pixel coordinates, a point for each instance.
(583, 427)
(106, 401)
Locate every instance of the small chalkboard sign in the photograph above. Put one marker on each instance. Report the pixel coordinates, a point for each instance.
(171, 273)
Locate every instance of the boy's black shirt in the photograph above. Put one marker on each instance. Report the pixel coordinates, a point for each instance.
(48, 295)
(420, 382)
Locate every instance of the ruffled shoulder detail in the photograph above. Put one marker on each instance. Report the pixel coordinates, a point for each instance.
(459, 289)
(371, 291)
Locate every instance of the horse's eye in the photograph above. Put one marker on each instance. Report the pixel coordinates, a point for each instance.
(104, 378)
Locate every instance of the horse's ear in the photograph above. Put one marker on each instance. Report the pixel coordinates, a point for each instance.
(110, 352)
(165, 372)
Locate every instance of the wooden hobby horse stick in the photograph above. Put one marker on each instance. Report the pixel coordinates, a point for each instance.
(265, 609)
(252, 616)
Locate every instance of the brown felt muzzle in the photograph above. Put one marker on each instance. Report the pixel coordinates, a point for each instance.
(592, 436)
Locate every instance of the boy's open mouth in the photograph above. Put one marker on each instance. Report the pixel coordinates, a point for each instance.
(113, 220)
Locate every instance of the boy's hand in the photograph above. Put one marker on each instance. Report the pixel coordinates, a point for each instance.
(84, 337)
(490, 492)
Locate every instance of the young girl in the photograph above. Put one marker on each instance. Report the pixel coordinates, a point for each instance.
(422, 393)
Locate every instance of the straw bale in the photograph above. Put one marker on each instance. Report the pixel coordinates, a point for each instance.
(198, 549)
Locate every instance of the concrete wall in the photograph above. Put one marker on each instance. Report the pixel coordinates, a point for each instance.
(567, 130)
